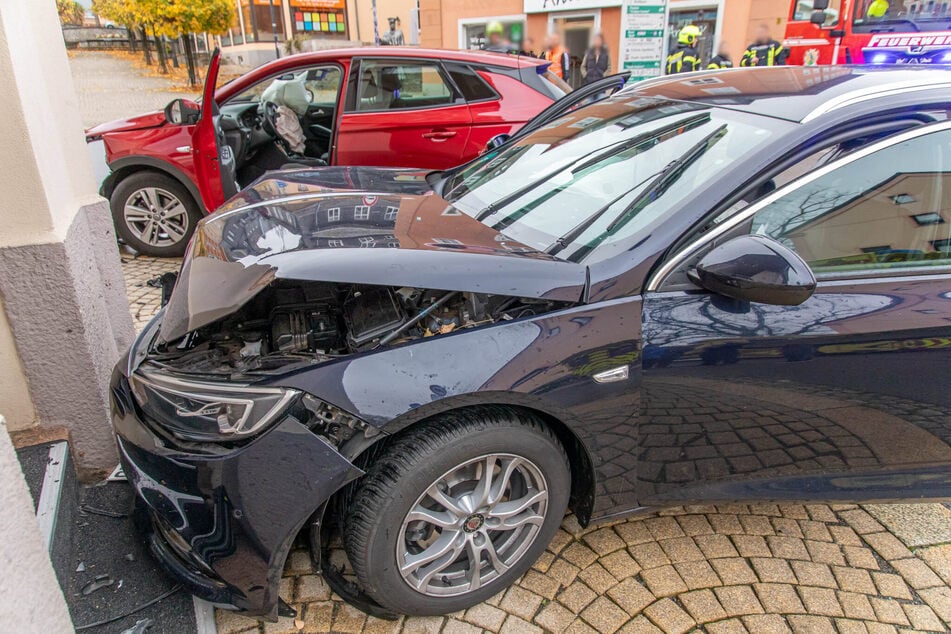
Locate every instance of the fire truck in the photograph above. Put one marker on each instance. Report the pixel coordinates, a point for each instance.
(869, 32)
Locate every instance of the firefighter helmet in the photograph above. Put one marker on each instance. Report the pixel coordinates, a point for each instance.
(688, 35)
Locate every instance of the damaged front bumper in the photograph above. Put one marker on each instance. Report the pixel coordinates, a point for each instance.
(224, 518)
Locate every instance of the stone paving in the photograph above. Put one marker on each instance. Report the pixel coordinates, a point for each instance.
(737, 568)
(111, 88)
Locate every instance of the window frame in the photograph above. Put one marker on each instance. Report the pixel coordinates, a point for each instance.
(463, 67)
(356, 71)
(230, 100)
(725, 230)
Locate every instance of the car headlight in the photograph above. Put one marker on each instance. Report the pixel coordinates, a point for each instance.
(208, 411)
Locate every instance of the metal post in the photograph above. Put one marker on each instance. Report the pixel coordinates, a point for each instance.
(277, 50)
(376, 26)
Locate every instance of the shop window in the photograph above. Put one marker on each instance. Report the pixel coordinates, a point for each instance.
(475, 38)
(319, 17)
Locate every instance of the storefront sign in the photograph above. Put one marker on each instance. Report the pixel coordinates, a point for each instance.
(544, 6)
(641, 51)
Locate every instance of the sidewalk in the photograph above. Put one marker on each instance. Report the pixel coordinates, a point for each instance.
(110, 88)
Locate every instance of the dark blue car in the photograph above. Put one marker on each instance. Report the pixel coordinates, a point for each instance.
(719, 287)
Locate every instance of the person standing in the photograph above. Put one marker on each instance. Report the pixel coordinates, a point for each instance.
(721, 59)
(528, 47)
(596, 61)
(765, 51)
(685, 59)
(495, 33)
(555, 53)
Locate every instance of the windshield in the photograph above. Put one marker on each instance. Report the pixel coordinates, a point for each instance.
(604, 172)
(884, 16)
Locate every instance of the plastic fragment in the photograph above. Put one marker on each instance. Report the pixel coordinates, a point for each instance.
(101, 581)
(81, 567)
(140, 626)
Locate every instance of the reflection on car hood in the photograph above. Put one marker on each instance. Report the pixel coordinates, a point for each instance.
(319, 226)
(140, 122)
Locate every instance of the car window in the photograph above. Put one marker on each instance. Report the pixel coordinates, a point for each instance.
(473, 87)
(802, 10)
(887, 210)
(389, 85)
(320, 85)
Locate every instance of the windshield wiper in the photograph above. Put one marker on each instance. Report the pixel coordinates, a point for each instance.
(670, 172)
(620, 146)
(613, 149)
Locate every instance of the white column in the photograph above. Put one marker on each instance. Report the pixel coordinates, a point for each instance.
(32, 600)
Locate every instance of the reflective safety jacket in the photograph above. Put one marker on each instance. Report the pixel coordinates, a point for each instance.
(770, 54)
(685, 59)
(720, 61)
(560, 61)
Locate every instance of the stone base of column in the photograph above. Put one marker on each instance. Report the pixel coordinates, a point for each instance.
(68, 310)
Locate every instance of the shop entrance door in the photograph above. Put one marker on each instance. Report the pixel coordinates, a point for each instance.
(576, 31)
(703, 18)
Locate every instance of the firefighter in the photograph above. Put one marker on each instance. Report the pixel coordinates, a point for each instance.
(765, 51)
(495, 33)
(721, 59)
(686, 58)
(877, 9)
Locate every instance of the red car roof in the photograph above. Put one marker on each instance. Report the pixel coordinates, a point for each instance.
(481, 57)
(285, 64)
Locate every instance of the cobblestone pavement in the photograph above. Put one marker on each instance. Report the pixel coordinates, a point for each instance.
(144, 300)
(737, 568)
(111, 88)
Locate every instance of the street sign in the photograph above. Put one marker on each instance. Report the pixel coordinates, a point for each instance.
(643, 40)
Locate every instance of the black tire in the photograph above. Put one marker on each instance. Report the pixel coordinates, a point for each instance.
(374, 526)
(144, 181)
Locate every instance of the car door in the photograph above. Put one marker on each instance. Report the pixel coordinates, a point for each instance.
(402, 113)
(214, 158)
(842, 397)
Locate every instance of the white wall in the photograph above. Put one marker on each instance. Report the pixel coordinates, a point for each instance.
(31, 601)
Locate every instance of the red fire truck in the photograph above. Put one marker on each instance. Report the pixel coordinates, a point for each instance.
(869, 32)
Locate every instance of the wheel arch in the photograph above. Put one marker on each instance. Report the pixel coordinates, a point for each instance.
(360, 450)
(121, 169)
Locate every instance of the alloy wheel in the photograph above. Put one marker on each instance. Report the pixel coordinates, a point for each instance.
(472, 524)
(156, 216)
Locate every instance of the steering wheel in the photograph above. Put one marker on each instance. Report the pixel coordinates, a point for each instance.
(269, 118)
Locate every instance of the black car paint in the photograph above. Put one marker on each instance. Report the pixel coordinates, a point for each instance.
(717, 388)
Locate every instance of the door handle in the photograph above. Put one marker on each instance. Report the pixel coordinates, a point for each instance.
(439, 135)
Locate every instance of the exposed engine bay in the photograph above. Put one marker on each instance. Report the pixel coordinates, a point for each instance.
(297, 324)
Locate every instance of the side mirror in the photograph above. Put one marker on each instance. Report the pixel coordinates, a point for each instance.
(755, 269)
(182, 112)
(497, 141)
(818, 18)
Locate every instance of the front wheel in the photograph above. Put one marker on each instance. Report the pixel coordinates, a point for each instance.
(154, 214)
(455, 511)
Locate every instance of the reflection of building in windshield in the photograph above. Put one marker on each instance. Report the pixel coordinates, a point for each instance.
(333, 222)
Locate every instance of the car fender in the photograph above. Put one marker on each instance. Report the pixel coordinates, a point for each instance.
(120, 168)
(547, 363)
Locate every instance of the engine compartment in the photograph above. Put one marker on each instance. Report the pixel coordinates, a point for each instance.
(296, 324)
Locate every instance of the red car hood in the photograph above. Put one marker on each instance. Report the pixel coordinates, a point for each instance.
(150, 120)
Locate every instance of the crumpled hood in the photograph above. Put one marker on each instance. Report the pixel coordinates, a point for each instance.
(307, 228)
(140, 122)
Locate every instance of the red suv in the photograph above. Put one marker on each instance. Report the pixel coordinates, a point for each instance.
(399, 107)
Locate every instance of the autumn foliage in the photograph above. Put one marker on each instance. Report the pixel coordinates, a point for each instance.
(169, 19)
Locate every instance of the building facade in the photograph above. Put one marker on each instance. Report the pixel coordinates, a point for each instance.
(317, 24)
(454, 24)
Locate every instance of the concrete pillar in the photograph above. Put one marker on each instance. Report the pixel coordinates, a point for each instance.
(61, 287)
(32, 600)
